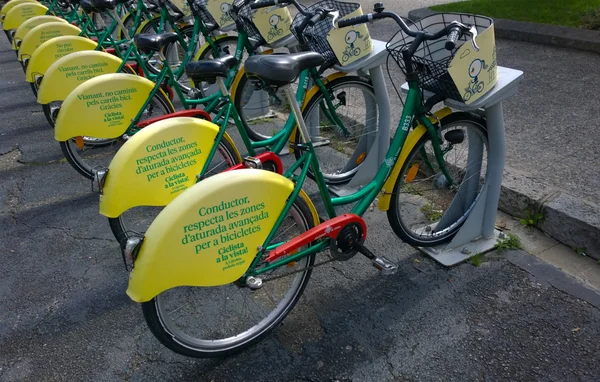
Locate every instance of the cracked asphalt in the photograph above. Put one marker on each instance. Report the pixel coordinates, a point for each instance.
(64, 314)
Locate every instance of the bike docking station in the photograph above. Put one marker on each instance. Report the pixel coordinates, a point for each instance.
(376, 139)
(478, 234)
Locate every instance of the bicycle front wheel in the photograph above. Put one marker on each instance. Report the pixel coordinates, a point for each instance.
(137, 220)
(426, 208)
(344, 135)
(218, 321)
(87, 154)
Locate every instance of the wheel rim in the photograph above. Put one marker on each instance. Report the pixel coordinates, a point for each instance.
(238, 315)
(340, 156)
(425, 199)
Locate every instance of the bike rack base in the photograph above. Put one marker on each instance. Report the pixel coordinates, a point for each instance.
(477, 234)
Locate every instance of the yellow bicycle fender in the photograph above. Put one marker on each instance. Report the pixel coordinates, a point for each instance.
(21, 13)
(42, 33)
(102, 107)
(50, 51)
(157, 164)
(209, 235)
(238, 156)
(411, 141)
(144, 23)
(70, 71)
(28, 25)
(11, 4)
(309, 94)
(311, 207)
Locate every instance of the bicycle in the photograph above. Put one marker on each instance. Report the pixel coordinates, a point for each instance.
(226, 247)
(473, 88)
(123, 219)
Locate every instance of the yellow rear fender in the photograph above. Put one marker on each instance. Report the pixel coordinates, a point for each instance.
(411, 141)
(52, 50)
(28, 25)
(209, 235)
(11, 4)
(155, 19)
(102, 107)
(21, 13)
(70, 71)
(157, 164)
(42, 33)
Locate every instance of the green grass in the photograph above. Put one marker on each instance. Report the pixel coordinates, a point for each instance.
(558, 12)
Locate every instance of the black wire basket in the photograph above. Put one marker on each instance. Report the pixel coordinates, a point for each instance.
(432, 59)
(316, 37)
(244, 15)
(198, 8)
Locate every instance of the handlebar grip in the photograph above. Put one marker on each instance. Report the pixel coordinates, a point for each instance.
(353, 21)
(264, 3)
(453, 35)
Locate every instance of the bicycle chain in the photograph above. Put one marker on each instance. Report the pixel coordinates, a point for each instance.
(331, 259)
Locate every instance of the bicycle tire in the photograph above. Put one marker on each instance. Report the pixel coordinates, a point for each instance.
(278, 113)
(337, 155)
(87, 169)
(185, 344)
(412, 209)
(121, 226)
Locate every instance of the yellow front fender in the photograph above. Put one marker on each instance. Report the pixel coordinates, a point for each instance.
(42, 33)
(157, 164)
(70, 71)
(21, 13)
(52, 50)
(11, 4)
(209, 235)
(102, 107)
(411, 141)
(28, 25)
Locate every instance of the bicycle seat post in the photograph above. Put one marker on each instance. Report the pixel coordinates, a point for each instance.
(297, 113)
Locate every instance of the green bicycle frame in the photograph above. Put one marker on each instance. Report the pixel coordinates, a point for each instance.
(365, 196)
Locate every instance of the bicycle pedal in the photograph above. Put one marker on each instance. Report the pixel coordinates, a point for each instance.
(385, 266)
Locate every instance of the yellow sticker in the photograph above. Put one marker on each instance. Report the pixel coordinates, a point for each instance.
(42, 33)
(29, 25)
(183, 6)
(11, 4)
(107, 103)
(209, 234)
(50, 51)
(21, 13)
(70, 71)
(220, 10)
(350, 43)
(273, 23)
(157, 164)
(474, 72)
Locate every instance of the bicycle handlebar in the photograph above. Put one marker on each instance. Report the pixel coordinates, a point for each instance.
(419, 35)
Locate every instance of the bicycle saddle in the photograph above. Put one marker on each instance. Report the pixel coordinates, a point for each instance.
(281, 69)
(148, 42)
(208, 70)
(104, 5)
(87, 6)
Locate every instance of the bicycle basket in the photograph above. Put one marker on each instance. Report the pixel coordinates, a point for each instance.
(432, 60)
(317, 36)
(198, 8)
(244, 16)
(273, 23)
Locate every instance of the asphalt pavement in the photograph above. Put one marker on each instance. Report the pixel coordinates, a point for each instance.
(64, 314)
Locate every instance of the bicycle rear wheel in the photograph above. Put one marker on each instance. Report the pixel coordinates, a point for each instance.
(217, 321)
(341, 149)
(137, 220)
(425, 209)
(97, 153)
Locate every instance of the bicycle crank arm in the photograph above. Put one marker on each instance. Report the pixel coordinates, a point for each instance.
(328, 229)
